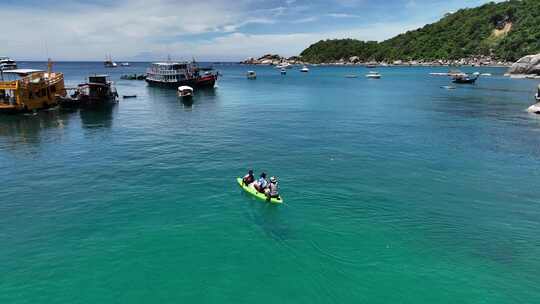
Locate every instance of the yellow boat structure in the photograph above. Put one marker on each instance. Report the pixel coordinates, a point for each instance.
(23, 90)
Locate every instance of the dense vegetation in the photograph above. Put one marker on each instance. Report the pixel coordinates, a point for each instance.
(507, 31)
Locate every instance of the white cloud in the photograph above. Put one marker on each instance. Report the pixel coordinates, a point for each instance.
(149, 29)
(236, 46)
(90, 32)
(342, 15)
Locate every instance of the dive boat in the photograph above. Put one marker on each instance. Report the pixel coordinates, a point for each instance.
(23, 90)
(175, 74)
(251, 75)
(185, 92)
(7, 64)
(373, 75)
(98, 91)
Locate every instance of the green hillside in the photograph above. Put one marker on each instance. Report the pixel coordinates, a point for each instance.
(507, 31)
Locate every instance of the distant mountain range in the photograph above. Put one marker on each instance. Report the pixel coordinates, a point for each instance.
(506, 31)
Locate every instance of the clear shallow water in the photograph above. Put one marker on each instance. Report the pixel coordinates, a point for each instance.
(396, 191)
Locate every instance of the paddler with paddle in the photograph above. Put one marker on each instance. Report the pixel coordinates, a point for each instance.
(272, 190)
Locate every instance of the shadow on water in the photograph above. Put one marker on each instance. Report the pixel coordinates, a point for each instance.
(26, 128)
(100, 117)
(269, 217)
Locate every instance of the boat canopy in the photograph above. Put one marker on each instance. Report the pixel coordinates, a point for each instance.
(185, 88)
(22, 72)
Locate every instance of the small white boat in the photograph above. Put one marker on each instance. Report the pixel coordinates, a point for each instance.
(485, 74)
(185, 92)
(251, 75)
(124, 64)
(283, 71)
(304, 69)
(373, 75)
(284, 65)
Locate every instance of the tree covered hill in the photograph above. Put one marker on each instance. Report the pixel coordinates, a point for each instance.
(506, 30)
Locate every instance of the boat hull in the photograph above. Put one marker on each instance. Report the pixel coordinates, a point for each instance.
(203, 82)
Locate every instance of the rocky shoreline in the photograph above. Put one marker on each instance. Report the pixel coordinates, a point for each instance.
(475, 61)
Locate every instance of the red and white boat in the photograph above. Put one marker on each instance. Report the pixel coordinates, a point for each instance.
(176, 74)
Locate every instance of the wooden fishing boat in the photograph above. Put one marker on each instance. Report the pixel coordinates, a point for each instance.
(23, 90)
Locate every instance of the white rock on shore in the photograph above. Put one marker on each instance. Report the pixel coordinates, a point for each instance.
(535, 108)
(528, 65)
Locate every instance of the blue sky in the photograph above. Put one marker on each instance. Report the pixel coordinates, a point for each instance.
(208, 30)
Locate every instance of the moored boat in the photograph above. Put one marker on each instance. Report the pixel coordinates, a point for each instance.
(175, 74)
(304, 69)
(373, 75)
(464, 79)
(251, 75)
(98, 91)
(7, 64)
(109, 63)
(284, 65)
(23, 90)
(185, 92)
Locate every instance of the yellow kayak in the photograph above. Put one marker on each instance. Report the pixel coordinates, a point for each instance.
(257, 194)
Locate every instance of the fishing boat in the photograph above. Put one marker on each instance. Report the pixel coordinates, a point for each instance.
(464, 79)
(98, 91)
(185, 92)
(23, 90)
(304, 69)
(175, 74)
(108, 63)
(373, 75)
(251, 75)
(7, 64)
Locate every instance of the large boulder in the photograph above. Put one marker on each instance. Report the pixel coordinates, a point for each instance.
(527, 65)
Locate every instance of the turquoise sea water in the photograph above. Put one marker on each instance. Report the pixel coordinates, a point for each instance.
(397, 191)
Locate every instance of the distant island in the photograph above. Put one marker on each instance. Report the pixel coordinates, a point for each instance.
(492, 34)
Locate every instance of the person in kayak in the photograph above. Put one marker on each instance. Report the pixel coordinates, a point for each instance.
(249, 178)
(261, 184)
(272, 190)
